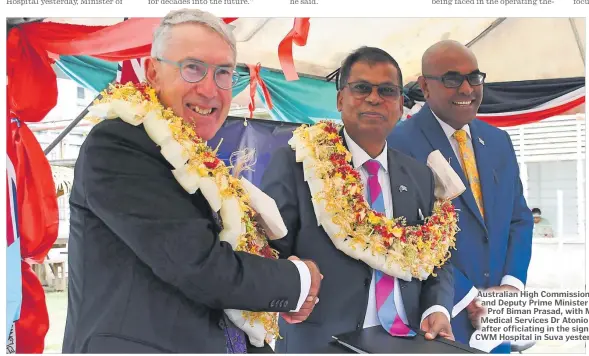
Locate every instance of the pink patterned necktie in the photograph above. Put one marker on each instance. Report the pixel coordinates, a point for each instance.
(385, 284)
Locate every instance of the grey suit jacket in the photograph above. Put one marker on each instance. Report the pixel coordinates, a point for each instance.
(147, 272)
(343, 297)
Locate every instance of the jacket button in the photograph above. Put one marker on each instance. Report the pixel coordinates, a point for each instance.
(486, 274)
(273, 304)
(358, 326)
(222, 324)
(285, 304)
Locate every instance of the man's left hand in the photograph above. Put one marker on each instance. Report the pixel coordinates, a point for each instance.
(437, 324)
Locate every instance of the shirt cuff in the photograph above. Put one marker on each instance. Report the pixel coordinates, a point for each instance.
(512, 281)
(305, 283)
(472, 294)
(433, 309)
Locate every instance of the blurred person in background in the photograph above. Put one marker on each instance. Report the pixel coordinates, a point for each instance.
(542, 227)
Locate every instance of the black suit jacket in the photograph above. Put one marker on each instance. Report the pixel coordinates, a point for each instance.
(147, 272)
(343, 297)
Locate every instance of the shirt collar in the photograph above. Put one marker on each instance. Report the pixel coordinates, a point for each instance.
(449, 130)
(359, 156)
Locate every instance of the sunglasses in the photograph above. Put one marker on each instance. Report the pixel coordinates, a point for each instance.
(193, 71)
(455, 80)
(386, 91)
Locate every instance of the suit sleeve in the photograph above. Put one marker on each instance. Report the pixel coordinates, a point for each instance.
(280, 184)
(519, 248)
(135, 195)
(438, 290)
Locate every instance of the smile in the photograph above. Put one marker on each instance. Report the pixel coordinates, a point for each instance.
(462, 103)
(372, 115)
(200, 110)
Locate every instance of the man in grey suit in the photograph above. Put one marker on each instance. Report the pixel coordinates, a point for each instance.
(370, 100)
(147, 271)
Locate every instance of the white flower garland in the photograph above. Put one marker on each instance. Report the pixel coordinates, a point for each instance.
(388, 245)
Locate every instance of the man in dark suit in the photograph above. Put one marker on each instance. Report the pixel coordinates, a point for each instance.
(370, 100)
(147, 271)
(495, 239)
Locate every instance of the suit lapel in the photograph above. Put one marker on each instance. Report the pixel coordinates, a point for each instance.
(438, 141)
(405, 201)
(486, 171)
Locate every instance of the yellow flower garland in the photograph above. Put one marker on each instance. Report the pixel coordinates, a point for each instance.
(389, 245)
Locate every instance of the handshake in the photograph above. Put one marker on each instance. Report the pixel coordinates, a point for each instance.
(312, 299)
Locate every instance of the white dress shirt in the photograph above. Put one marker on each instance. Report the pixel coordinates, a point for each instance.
(359, 157)
(506, 280)
(305, 275)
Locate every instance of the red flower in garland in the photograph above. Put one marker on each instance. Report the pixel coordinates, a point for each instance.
(211, 162)
(267, 251)
(142, 88)
(330, 128)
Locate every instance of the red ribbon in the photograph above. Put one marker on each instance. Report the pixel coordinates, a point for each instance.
(298, 35)
(38, 220)
(255, 78)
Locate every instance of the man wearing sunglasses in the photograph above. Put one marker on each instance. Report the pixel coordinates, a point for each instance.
(147, 271)
(493, 247)
(371, 103)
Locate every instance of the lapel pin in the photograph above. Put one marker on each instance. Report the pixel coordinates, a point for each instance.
(481, 141)
(402, 188)
(421, 217)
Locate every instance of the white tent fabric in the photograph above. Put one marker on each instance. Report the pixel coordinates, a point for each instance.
(508, 49)
(516, 49)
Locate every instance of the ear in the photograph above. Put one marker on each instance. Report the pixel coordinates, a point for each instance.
(340, 99)
(151, 74)
(423, 86)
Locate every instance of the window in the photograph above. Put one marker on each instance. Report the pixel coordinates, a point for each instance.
(552, 187)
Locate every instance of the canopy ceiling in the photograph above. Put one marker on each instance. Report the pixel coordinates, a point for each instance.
(508, 49)
(515, 49)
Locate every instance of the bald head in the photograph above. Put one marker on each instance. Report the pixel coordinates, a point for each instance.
(451, 82)
(443, 51)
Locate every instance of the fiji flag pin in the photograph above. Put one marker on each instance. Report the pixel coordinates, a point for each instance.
(402, 188)
(481, 141)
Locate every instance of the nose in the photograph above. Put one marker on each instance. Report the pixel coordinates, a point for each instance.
(207, 86)
(374, 98)
(465, 88)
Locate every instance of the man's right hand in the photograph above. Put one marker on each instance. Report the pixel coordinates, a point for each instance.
(312, 299)
(475, 310)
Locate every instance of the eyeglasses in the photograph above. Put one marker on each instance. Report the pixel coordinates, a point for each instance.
(386, 91)
(455, 80)
(193, 71)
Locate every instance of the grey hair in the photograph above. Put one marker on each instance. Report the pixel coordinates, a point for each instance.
(162, 33)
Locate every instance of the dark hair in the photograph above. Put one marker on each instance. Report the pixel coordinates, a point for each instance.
(370, 55)
(536, 211)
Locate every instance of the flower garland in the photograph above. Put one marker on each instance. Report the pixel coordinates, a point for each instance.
(389, 245)
(197, 167)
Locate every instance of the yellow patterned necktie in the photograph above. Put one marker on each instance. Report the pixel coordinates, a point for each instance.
(469, 165)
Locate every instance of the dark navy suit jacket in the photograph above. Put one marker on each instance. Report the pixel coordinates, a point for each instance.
(343, 297)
